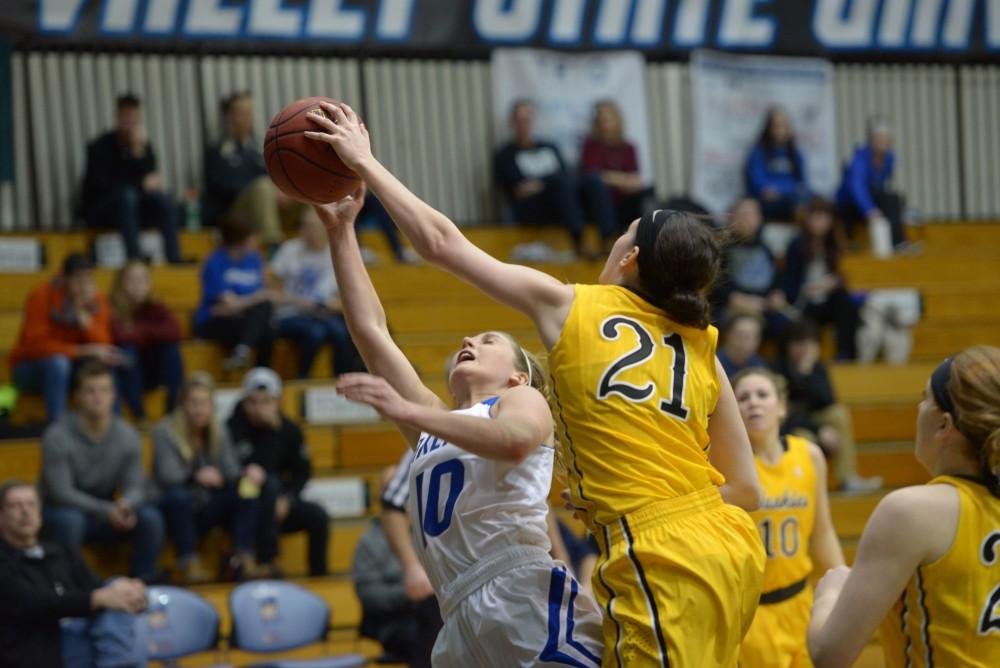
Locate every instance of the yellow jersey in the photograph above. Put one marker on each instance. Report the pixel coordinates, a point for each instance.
(633, 392)
(787, 514)
(949, 613)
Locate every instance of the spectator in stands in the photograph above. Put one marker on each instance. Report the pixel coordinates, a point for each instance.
(122, 188)
(813, 407)
(540, 187)
(266, 438)
(309, 313)
(149, 334)
(374, 211)
(404, 621)
(200, 483)
(740, 337)
(749, 279)
(236, 181)
(46, 587)
(813, 282)
(92, 480)
(236, 306)
(607, 154)
(864, 193)
(775, 170)
(65, 320)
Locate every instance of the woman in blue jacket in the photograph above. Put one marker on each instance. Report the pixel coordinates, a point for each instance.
(775, 170)
(864, 189)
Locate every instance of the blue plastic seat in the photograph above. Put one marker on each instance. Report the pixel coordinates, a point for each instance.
(272, 616)
(176, 624)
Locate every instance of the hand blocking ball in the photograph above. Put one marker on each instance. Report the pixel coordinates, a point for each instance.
(306, 170)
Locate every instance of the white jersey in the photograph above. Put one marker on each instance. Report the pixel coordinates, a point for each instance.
(466, 508)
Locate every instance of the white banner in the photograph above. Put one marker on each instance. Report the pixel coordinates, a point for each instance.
(731, 96)
(564, 88)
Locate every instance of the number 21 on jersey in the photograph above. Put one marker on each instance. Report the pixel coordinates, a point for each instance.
(433, 519)
(673, 405)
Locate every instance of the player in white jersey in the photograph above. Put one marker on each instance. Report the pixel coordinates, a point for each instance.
(479, 480)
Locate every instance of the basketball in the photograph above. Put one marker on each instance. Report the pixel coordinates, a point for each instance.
(306, 170)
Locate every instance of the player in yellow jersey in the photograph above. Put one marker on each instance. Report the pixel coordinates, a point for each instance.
(650, 431)
(794, 522)
(928, 565)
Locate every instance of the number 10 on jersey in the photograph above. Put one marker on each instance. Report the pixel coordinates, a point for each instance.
(432, 521)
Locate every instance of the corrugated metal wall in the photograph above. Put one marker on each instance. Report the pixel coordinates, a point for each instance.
(431, 123)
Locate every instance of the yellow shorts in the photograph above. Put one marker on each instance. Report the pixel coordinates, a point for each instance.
(777, 637)
(679, 581)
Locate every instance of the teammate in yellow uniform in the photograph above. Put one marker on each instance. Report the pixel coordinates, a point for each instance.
(794, 522)
(928, 565)
(650, 431)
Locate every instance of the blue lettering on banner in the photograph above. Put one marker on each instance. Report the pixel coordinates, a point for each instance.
(213, 18)
(902, 26)
(330, 20)
(690, 23)
(506, 21)
(395, 20)
(741, 28)
(161, 17)
(59, 16)
(272, 19)
(566, 26)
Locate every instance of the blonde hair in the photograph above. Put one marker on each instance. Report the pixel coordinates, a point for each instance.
(181, 428)
(595, 130)
(528, 363)
(121, 305)
(974, 386)
(779, 382)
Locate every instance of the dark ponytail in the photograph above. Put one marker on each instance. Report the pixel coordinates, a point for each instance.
(679, 259)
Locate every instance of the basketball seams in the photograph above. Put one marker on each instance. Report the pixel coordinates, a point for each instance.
(351, 175)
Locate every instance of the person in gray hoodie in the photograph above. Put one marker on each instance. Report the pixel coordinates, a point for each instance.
(92, 481)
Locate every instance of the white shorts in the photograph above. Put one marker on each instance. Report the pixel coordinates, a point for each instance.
(531, 614)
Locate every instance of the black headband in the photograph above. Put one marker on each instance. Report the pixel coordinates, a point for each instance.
(939, 387)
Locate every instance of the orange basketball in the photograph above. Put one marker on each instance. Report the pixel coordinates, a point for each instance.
(304, 169)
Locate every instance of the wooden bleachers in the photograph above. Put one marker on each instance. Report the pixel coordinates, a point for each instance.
(429, 312)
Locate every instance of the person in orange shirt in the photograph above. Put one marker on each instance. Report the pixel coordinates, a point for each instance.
(65, 319)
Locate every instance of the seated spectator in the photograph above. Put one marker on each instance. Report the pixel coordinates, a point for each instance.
(540, 187)
(199, 483)
(813, 407)
(374, 211)
(273, 452)
(404, 621)
(65, 320)
(122, 188)
(864, 194)
(607, 154)
(149, 335)
(310, 313)
(236, 181)
(92, 481)
(749, 278)
(55, 611)
(813, 282)
(775, 170)
(739, 342)
(235, 307)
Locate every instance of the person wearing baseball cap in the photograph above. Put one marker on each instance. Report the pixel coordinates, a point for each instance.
(272, 449)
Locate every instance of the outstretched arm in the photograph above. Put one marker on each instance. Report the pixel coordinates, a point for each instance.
(521, 423)
(362, 308)
(543, 298)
